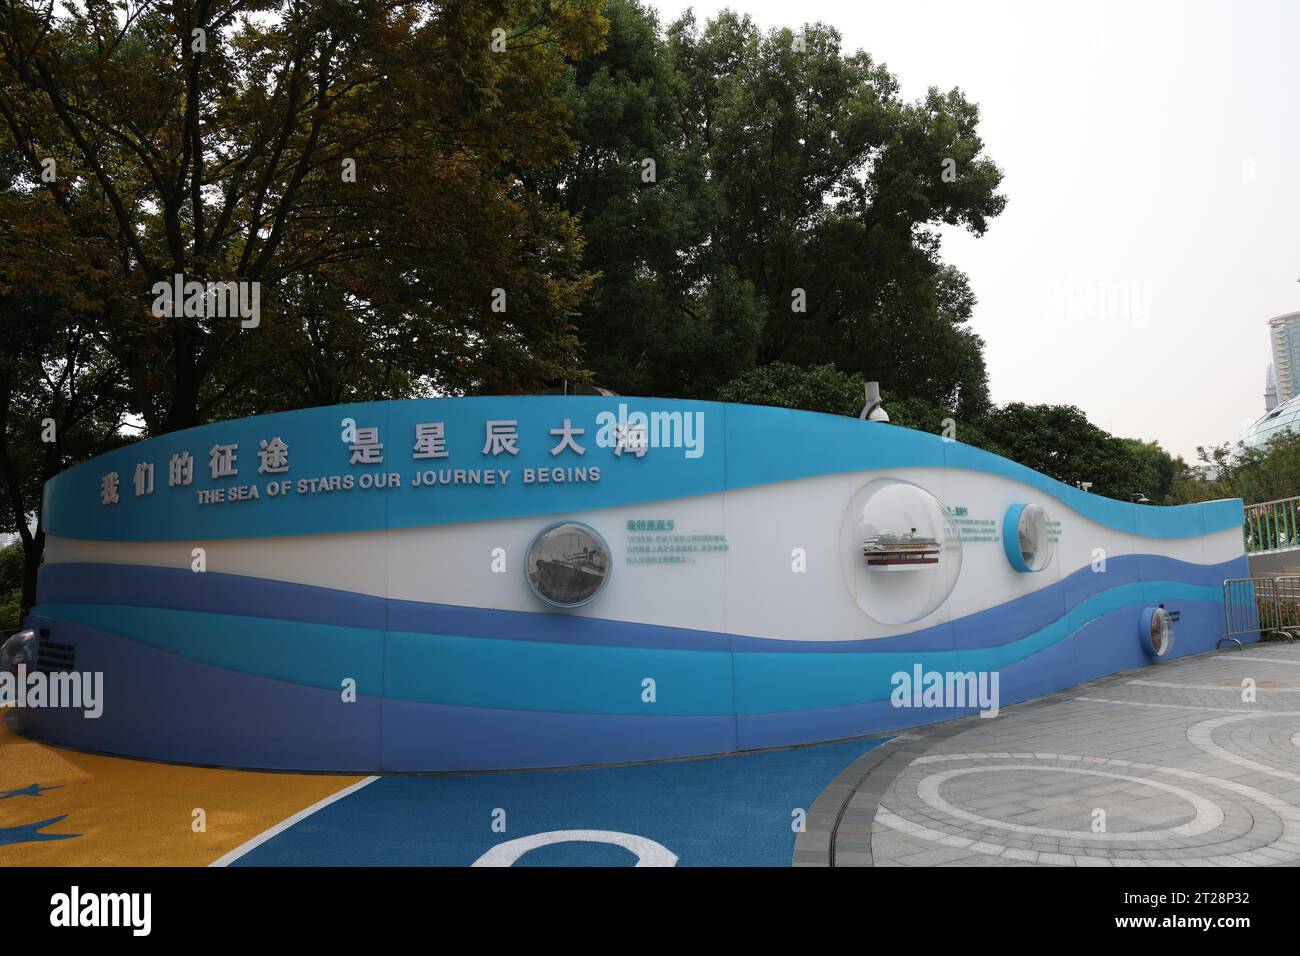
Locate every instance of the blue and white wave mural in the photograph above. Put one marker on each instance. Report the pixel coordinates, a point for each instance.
(351, 588)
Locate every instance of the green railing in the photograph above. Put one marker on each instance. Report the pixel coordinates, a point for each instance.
(1272, 526)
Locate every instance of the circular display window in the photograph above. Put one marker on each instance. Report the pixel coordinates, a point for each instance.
(901, 551)
(19, 649)
(568, 564)
(1157, 631)
(1027, 538)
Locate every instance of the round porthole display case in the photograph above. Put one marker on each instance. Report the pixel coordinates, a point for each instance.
(1027, 537)
(901, 551)
(568, 564)
(1156, 631)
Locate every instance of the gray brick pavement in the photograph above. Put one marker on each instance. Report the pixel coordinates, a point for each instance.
(1158, 767)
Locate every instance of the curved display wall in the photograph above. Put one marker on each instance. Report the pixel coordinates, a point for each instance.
(480, 583)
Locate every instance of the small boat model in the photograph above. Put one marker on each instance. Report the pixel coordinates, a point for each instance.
(895, 551)
(571, 578)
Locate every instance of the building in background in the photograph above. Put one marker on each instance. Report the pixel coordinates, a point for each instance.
(1279, 419)
(1284, 337)
(1270, 388)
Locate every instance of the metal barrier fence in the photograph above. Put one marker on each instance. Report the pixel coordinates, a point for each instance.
(1269, 607)
(1272, 525)
(1287, 589)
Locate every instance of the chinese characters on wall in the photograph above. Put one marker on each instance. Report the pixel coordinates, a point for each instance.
(365, 447)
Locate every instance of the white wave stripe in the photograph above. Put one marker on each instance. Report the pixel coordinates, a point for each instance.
(748, 589)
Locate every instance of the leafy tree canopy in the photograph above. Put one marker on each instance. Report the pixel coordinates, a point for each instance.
(821, 388)
(360, 161)
(1253, 474)
(791, 216)
(1057, 440)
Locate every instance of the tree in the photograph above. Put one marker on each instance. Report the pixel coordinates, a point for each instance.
(822, 388)
(60, 402)
(11, 586)
(1255, 475)
(833, 187)
(669, 315)
(1058, 440)
(791, 216)
(1152, 470)
(337, 155)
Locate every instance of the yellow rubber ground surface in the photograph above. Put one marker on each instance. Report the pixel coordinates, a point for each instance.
(135, 813)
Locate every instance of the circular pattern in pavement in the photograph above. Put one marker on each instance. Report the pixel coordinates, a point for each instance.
(1207, 816)
(1141, 813)
(1258, 742)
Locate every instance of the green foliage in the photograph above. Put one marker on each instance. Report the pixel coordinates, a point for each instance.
(776, 170)
(1057, 440)
(11, 586)
(229, 164)
(1151, 470)
(1253, 474)
(669, 314)
(230, 161)
(61, 401)
(822, 388)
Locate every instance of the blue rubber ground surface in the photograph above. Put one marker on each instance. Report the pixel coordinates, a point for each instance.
(728, 811)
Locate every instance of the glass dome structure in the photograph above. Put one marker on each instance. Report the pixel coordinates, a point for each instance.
(1286, 415)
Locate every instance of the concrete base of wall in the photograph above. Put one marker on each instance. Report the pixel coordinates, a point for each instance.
(1274, 563)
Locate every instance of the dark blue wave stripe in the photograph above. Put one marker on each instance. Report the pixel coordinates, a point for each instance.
(179, 589)
(167, 707)
(212, 592)
(1015, 619)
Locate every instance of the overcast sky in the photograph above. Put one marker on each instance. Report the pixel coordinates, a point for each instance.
(1151, 153)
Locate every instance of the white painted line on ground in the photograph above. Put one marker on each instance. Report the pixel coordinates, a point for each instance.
(283, 825)
(1243, 658)
(1233, 688)
(647, 851)
(1217, 710)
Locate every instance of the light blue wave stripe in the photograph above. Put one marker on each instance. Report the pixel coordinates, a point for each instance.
(437, 668)
(317, 655)
(743, 446)
(529, 675)
(768, 682)
(814, 444)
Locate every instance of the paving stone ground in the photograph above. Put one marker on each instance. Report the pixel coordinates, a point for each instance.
(1192, 763)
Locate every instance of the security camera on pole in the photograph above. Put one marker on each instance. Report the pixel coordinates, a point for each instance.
(873, 411)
